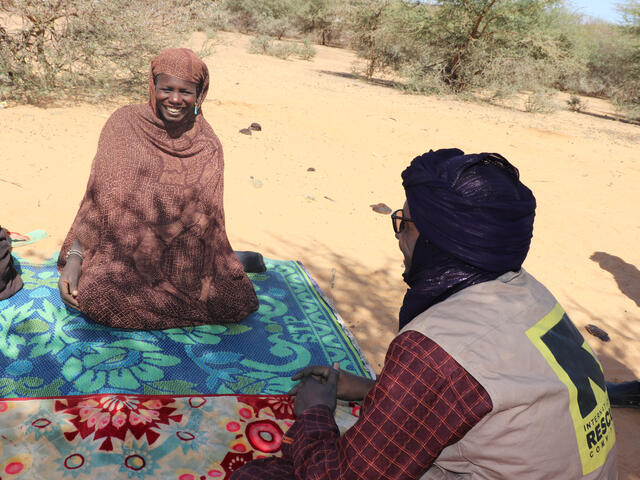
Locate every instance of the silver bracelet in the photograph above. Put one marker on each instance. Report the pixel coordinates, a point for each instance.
(74, 251)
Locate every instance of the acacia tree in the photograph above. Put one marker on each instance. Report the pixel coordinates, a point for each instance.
(364, 18)
(87, 48)
(316, 16)
(268, 17)
(461, 44)
(33, 51)
(630, 11)
(629, 94)
(464, 33)
(378, 33)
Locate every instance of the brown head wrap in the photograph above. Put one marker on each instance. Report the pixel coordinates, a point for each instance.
(183, 64)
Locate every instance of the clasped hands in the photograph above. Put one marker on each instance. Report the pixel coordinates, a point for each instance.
(323, 385)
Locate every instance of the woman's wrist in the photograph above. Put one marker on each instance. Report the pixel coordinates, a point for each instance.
(74, 253)
(74, 260)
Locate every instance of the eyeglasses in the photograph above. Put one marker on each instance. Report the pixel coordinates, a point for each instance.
(397, 220)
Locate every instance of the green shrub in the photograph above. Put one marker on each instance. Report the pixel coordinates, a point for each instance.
(306, 51)
(265, 45)
(426, 81)
(322, 18)
(271, 17)
(261, 44)
(282, 50)
(274, 27)
(575, 104)
(540, 101)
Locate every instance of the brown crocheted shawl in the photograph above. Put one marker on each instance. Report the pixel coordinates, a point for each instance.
(151, 223)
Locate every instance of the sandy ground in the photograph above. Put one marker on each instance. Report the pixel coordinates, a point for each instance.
(358, 137)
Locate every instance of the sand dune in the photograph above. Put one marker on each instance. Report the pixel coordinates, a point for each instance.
(358, 137)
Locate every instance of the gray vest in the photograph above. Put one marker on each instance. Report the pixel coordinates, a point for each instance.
(551, 417)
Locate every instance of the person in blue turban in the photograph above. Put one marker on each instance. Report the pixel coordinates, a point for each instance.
(487, 378)
(475, 222)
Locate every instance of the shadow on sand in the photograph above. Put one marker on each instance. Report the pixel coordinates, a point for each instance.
(367, 297)
(354, 76)
(627, 276)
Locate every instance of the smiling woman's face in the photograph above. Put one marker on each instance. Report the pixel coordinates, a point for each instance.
(175, 98)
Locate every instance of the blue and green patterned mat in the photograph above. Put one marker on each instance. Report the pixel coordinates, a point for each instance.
(49, 350)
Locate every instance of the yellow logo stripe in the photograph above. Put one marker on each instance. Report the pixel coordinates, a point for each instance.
(594, 433)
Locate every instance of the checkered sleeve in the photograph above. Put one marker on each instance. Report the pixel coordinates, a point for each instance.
(422, 401)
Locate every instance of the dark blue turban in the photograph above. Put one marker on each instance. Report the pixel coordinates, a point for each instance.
(471, 206)
(475, 220)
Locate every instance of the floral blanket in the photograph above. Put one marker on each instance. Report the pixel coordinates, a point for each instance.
(115, 436)
(49, 350)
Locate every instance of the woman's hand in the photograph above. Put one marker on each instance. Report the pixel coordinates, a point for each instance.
(68, 283)
(350, 387)
(311, 392)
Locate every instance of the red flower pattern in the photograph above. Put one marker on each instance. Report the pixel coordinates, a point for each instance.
(281, 405)
(258, 429)
(112, 416)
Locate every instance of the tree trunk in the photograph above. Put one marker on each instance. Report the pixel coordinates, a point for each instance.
(452, 70)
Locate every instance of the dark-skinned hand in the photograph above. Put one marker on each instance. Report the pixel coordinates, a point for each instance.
(68, 283)
(311, 392)
(352, 388)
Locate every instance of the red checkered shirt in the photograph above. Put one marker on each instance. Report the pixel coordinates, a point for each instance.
(422, 401)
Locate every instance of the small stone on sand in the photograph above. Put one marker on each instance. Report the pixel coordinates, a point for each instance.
(597, 332)
(255, 126)
(246, 131)
(382, 208)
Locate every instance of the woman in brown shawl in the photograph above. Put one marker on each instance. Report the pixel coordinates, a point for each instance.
(148, 247)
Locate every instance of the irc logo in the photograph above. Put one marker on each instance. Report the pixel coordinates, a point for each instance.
(575, 364)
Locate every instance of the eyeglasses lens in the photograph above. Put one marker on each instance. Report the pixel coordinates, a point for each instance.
(398, 222)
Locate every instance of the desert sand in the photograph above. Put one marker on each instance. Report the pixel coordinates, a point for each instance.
(358, 137)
